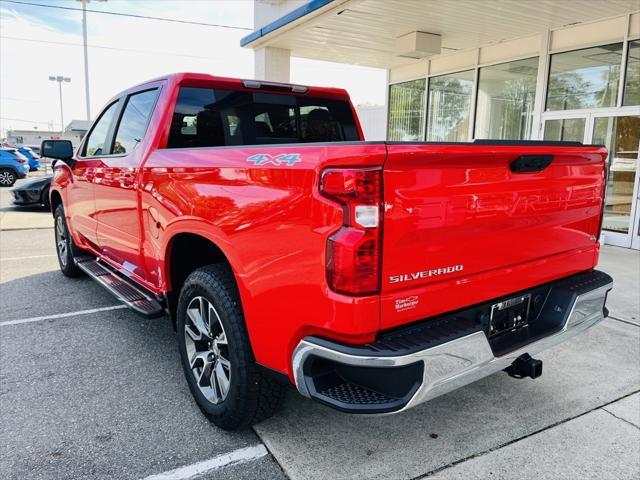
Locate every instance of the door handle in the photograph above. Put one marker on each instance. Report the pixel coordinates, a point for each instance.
(531, 163)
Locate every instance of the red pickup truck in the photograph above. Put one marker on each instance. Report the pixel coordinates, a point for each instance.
(373, 276)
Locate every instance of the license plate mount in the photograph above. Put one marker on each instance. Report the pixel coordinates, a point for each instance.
(509, 315)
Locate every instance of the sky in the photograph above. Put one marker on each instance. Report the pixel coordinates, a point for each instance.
(37, 41)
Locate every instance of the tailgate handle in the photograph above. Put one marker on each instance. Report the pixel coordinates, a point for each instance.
(531, 163)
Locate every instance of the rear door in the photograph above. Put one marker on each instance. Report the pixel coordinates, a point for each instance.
(467, 223)
(116, 184)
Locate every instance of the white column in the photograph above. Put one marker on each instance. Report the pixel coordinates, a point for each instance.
(272, 64)
(386, 103)
(541, 86)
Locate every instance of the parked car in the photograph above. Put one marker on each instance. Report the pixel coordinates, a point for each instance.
(373, 276)
(13, 165)
(33, 192)
(32, 157)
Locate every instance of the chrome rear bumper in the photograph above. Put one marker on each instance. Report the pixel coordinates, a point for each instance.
(450, 365)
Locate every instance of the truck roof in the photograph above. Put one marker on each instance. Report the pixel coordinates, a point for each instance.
(205, 79)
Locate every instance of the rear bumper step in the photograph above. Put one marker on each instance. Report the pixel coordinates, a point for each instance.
(412, 365)
(123, 289)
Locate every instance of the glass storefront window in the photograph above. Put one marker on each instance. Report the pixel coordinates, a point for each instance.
(632, 78)
(449, 107)
(506, 94)
(565, 129)
(406, 110)
(586, 78)
(621, 135)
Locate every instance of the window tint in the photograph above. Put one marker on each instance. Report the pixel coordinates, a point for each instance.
(206, 117)
(133, 123)
(94, 146)
(406, 110)
(585, 78)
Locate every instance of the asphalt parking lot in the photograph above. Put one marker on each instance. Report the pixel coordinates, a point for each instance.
(90, 390)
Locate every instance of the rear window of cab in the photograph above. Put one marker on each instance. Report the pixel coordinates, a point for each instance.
(206, 117)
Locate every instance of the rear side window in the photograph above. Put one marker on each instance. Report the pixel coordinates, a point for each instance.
(94, 146)
(206, 117)
(134, 120)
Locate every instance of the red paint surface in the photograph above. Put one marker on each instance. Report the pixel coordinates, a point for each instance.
(444, 205)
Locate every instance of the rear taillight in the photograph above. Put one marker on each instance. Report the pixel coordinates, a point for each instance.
(353, 252)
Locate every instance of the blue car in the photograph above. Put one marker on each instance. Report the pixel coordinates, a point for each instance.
(13, 165)
(33, 157)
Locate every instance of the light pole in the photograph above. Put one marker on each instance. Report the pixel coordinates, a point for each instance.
(86, 54)
(60, 79)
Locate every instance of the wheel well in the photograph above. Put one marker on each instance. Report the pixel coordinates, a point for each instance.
(56, 200)
(11, 169)
(186, 253)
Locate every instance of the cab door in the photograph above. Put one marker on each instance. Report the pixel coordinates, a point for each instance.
(116, 185)
(81, 207)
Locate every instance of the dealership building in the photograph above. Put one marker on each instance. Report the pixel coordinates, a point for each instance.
(460, 70)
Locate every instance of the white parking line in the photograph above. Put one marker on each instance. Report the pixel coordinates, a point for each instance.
(27, 258)
(241, 455)
(60, 315)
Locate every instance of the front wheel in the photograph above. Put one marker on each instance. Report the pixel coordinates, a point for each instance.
(65, 247)
(216, 354)
(7, 177)
(44, 199)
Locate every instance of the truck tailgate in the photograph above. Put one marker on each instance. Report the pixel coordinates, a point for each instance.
(462, 227)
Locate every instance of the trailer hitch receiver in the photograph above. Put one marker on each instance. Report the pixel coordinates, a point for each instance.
(525, 366)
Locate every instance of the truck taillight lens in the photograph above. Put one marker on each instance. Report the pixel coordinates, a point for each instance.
(353, 252)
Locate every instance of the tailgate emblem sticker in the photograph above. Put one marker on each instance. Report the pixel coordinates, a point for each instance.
(408, 303)
(289, 159)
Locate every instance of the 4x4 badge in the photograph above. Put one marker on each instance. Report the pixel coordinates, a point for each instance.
(289, 159)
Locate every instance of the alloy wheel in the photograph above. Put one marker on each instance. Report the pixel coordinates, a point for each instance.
(7, 178)
(61, 240)
(207, 350)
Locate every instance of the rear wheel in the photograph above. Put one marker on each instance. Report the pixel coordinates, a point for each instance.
(216, 354)
(65, 247)
(7, 177)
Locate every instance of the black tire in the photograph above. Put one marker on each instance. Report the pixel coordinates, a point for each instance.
(251, 395)
(44, 199)
(65, 248)
(7, 177)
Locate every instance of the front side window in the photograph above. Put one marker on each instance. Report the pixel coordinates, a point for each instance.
(632, 78)
(95, 144)
(206, 117)
(134, 120)
(449, 107)
(406, 110)
(585, 78)
(505, 102)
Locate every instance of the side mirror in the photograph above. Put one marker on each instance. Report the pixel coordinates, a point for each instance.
(58, 149)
